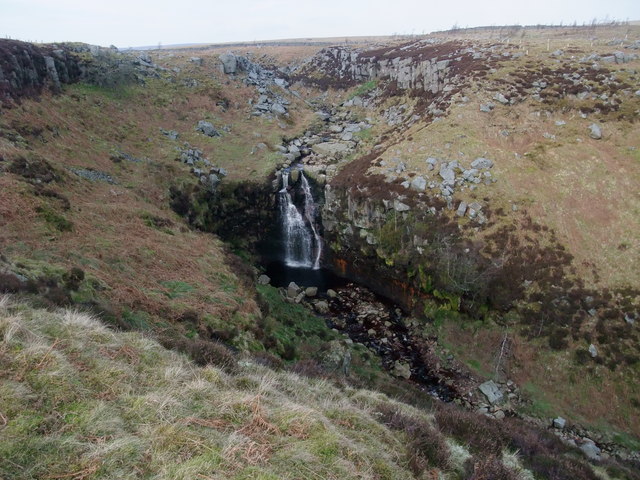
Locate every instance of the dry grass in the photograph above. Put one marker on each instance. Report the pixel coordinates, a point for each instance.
(81, 401)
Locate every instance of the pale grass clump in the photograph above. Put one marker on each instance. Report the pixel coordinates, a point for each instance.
(511, 460)
(459, 455)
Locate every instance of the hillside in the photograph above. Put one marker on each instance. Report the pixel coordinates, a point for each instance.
(484, 183)
(80, 401)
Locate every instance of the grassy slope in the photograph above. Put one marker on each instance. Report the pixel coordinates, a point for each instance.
(78, 400)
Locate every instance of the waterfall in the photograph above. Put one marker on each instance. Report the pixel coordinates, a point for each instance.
(302, 242)
(310, 215)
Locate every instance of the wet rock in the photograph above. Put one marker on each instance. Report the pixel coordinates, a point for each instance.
(293, 290)
(311, 291)
(321, 306)
(264, 280)
(332, 293)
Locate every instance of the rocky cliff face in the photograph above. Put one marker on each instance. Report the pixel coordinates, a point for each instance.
(26, 69)
(422, 66)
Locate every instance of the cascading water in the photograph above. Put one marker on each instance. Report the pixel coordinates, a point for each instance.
(310, 215)
(302, 242)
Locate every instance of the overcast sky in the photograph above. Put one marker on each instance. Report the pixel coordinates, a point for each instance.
(128, 23)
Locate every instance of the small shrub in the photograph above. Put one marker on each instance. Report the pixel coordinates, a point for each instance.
(491, 468)
(426, 448)
(33, 168)
(73, 278)
(582, 356)
(202, 352)
(9, 283)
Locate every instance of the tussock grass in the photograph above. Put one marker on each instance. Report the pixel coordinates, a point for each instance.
(79, 400)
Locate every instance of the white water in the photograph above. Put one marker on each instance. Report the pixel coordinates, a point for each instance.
(310, 215)
(303, 244)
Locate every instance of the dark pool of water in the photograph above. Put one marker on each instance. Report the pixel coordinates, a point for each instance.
(281, 275)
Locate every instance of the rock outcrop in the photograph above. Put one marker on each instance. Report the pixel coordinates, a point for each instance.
(26, 69)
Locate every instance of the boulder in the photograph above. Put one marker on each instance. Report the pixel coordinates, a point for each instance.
(486, 107)
(559, 423)
(491, 390)
(501, 98)
(590, 449)
(229, 62)
(321, 307)
(462, 209)
(294, 150)
(332, 293)
(401, 369)
(311, 291)
(336, 357)
(595, 131)
(264, 280)
(482, 163)
(331, 148)
(593, 351)
(278, 109)
(398, 206)
(293, 290)
(448, 174)
(419, 184)
(208, 129)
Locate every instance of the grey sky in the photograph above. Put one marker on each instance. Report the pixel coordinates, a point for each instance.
(126, 23)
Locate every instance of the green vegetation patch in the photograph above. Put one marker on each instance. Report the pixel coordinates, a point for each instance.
(364, 88)
(55, 220)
